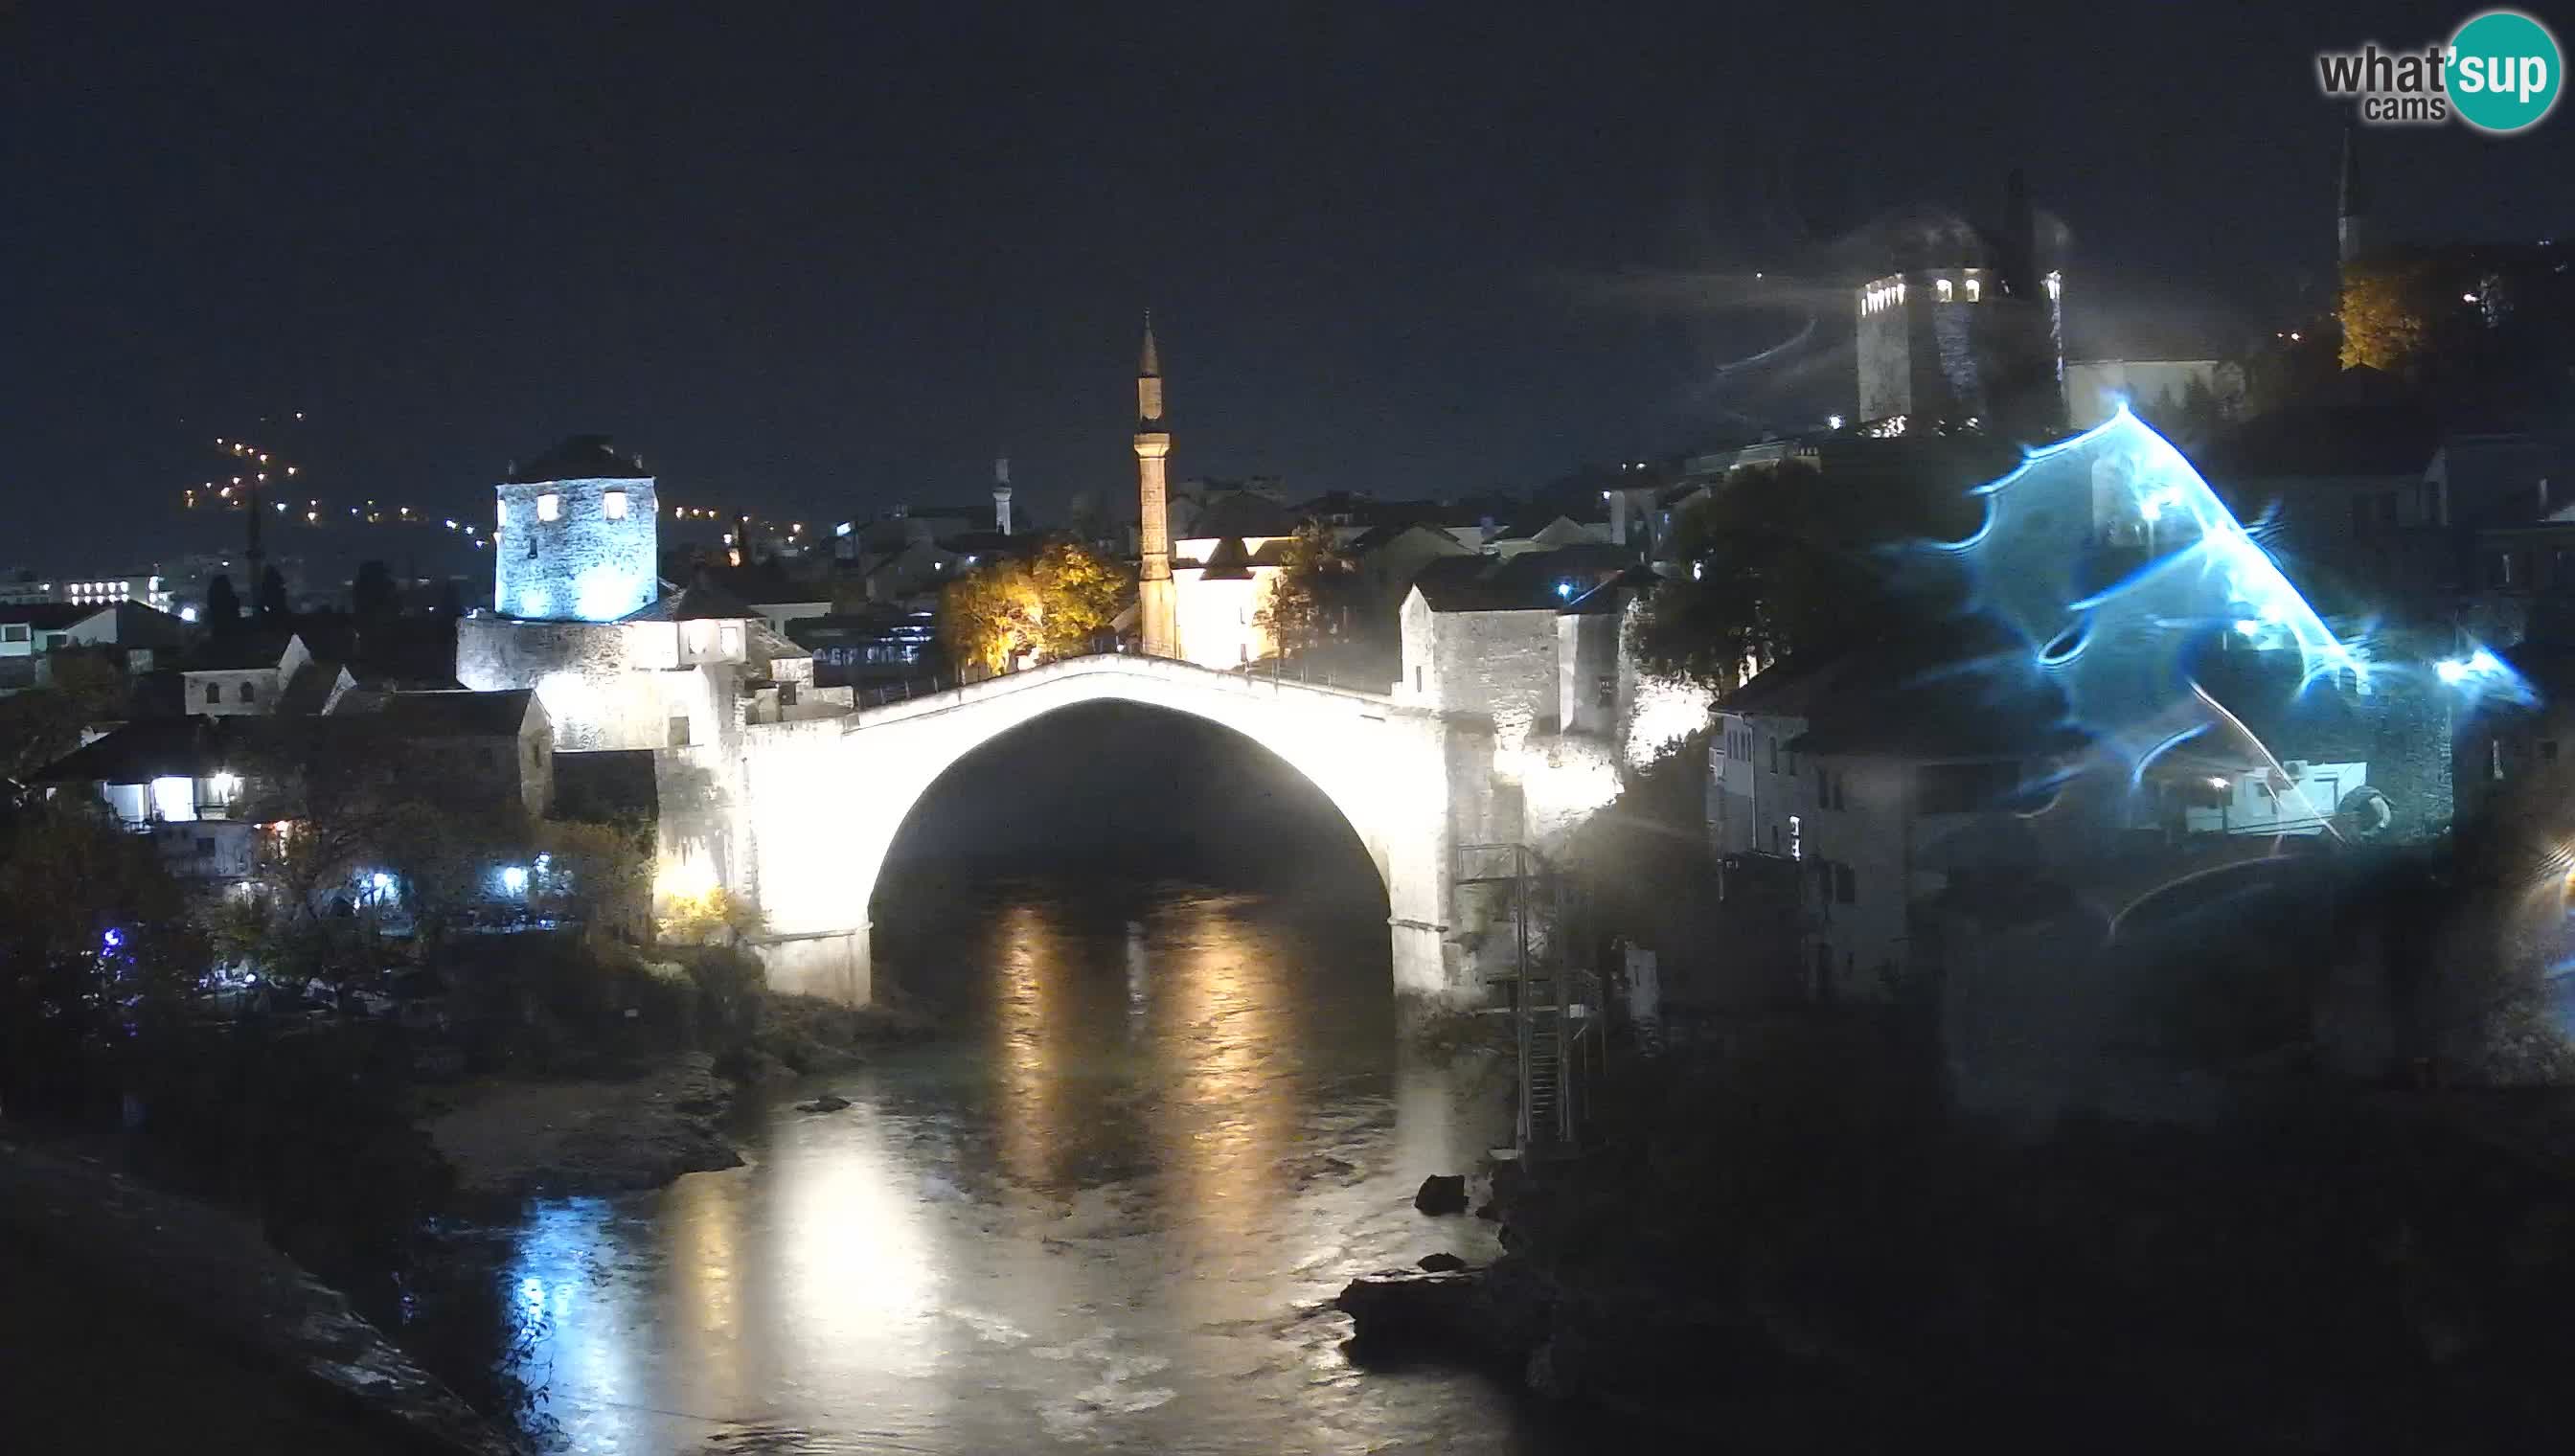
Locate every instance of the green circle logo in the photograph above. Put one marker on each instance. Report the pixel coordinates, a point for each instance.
(2503, 71)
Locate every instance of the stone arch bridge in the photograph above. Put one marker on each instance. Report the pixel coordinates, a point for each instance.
(816, 802)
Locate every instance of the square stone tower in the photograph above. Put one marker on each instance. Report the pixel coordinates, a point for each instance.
(1967, 330)
(580, 536)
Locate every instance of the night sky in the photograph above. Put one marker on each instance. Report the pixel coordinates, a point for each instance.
(822, 259)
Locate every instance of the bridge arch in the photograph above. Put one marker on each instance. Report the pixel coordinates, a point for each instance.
(822, 801)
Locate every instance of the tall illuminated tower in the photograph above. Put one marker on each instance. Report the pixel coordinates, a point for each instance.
(578, 539)
(1155, 604)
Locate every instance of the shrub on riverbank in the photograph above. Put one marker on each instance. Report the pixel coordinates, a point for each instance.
(2328, 1268)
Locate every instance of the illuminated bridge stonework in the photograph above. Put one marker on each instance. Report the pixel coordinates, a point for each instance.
(822, 800)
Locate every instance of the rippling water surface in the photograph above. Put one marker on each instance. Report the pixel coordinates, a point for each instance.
(1104, 1209)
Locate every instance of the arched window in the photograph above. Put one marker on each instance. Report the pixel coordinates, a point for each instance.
(1975, 289)
(1944, 290)
(214, 692)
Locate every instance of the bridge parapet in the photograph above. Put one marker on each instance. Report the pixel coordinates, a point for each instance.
(1170, 671)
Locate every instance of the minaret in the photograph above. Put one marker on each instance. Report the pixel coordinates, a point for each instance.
(2351, 211)
(1001, 494)
(1156, 603)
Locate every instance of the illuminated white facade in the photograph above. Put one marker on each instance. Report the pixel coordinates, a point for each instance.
(1219, 587)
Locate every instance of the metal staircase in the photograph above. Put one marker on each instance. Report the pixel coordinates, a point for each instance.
(1554, 1000)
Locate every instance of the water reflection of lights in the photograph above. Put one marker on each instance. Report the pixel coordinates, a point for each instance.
(856, 1275)
(1230, 1132)
(570, 1320)
(1033, 1138)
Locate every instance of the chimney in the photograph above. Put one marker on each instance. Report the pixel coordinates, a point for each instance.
(1618, 517)
(1002, 494)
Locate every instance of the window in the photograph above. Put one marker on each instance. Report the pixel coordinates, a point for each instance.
(613, 505)
(1845, 884)
(2548, 750)
(1796, 837)
(1944, 290)
(679, 731)
(1824, 790)
(1416, 678)
(1975, 289)
(550, 506)
(249, 692)
(214, 692)
(1775, 756)
(13, 632)
(205, 848)
(1605, 689)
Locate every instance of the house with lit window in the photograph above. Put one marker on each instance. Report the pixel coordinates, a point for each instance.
(203, 787)
(143, 635)
(1875, 783)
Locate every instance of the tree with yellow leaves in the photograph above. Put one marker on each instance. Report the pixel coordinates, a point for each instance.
(1056, 606)
(2385, 320)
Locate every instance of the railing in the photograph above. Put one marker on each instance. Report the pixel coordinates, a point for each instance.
(1555, 1003)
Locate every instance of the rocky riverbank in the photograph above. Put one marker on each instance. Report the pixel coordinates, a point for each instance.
(2329, 1271)
(139, 1321)
(514, 1138)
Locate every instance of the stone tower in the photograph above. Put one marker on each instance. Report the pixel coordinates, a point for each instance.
(2351, 206)
(578, 536)
(1968, 331)
(1001, 494)
(1156, 606)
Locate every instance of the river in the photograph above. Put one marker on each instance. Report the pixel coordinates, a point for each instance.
(1104, 1209)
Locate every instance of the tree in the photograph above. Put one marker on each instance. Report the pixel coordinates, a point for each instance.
(223, 604)
(370, 595)
(2384, 317)
(96, 950)
(709, 916)
(988, 617)
(1079, 594)
(444, 858)
(1779, 566)
(1291, 616)
(336, 817)
(1054, 606)
(272, 595)
(596, 873)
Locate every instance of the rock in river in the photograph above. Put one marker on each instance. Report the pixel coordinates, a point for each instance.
(1442, 1194)
(824, 1104)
